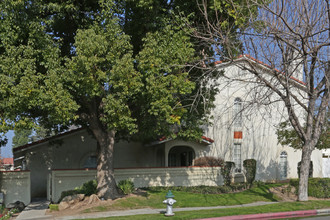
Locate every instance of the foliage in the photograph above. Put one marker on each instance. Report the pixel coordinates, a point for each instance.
(250, 166)
(53, 207)
(202, 189)
(286, 135)
(7, 214)
(208, 161)
(310, 173)
(226, 172)
(317, 187)
(87, 188)
(21, 137)
(105, 65)
(2, 208)
(126, 186)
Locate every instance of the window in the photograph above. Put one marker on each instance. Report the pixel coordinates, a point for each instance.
(91, 162)
(237, 159)
(283, 165)
(237, 113)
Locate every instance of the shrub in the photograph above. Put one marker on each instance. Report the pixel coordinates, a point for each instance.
(87, 188)
(317, 187)
(208, 161)
(250, 166)
(310, 174)
(201, 189)
(226, 172)
(53, 207)
(126, 186)
(225, 189)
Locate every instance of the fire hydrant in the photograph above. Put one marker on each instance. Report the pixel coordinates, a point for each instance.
(169, 201)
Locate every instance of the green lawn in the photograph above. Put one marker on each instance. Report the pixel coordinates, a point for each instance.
(154, 199)
(279, 207)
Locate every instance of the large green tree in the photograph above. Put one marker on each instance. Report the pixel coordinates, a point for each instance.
(97, 83)
(117, 68)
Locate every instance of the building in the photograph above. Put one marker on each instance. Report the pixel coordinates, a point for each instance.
(245, 119)
(6, 164)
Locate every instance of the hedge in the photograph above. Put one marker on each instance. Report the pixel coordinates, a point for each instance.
(317, 187)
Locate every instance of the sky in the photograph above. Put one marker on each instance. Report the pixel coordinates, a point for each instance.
(6, 151)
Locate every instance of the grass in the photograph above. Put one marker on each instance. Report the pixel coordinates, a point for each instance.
(154, 199)
(279, 207)
(53, 207)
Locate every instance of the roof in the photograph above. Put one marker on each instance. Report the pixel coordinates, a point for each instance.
(164, 139)
(30, 145)
(27, 146)
(7, 161)
(248, 57)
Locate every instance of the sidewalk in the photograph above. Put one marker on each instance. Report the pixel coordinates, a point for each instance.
(37, 210)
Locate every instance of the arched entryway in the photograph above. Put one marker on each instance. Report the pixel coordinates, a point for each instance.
(180, 156)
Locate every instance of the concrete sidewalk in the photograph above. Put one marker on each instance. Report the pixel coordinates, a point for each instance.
(35, 210)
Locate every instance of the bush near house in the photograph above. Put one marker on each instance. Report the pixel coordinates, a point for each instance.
(6, 213)
(126, 186)
(226, 172)
(201, 189)
(317, 187)
(208, 161)
(250, 166)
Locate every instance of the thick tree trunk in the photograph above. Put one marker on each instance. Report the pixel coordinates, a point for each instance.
(304, 172)
(107, 187)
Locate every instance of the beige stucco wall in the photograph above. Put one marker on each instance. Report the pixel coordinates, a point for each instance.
(62, 180)
(262, 113)
(15, 186)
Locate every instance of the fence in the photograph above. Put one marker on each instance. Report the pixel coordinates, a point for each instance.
(16, 186)
(62, 180)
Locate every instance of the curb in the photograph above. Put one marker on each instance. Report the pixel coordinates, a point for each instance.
(292, 214)
(323, 212)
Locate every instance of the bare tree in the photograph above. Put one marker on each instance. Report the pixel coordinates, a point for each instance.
(290, 41)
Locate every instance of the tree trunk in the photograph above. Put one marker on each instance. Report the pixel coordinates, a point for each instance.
(304, 172)
(106, 187)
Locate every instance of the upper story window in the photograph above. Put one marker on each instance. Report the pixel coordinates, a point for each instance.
(237, 112)
(283, 165)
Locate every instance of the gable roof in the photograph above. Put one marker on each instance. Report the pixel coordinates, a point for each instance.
(7, 161)
(246, 58)
(33, 144)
